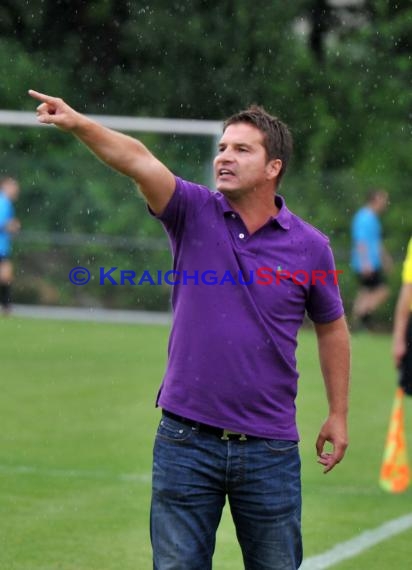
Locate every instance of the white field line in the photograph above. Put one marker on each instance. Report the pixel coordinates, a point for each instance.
(357, 545)
(74, 473)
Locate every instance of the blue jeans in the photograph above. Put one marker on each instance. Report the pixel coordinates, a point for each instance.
(194, 471)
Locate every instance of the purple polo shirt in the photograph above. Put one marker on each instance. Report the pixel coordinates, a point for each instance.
(232, 345)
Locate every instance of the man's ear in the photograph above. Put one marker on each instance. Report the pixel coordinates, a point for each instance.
(273, 168)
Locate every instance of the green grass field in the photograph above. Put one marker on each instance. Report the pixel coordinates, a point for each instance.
(77, 424)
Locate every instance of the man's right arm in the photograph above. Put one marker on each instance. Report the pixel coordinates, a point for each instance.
(123, 153)
(363, 253)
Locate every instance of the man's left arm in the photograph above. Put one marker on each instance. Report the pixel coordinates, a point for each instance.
(387, 261)
(12, 226)
(334, 355)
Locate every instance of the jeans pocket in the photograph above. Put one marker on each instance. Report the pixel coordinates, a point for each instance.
(281, 446)
(173, 430)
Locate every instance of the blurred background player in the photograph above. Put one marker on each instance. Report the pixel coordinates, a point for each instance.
(402, 326)
(9, 225)
(369, 258)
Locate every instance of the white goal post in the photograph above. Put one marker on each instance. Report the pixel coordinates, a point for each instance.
(191, 127)
(141, 124)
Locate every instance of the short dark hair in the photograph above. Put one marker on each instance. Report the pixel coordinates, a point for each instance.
(277, 138)
(374, 193)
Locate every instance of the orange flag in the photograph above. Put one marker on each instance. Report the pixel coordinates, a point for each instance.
(395, 474)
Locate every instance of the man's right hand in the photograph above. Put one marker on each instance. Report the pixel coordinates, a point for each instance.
(55, 111)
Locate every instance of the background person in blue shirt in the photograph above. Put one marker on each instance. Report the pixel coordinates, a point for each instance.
(9, 225)
(369, 259)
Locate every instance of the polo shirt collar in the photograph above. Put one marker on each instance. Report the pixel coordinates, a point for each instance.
(282, 219)
(284, 216)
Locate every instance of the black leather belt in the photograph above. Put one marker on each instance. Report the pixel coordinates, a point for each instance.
(224, 434)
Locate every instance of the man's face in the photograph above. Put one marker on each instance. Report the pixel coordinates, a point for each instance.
(382, 202)
(11, 188)
(241, 164)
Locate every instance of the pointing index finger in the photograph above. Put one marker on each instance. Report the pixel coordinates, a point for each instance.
(41, 96)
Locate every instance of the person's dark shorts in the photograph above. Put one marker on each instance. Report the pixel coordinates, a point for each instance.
(4, 258)
(405, 370)
(372, 280)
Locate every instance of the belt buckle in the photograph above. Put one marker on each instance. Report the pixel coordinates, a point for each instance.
(226, 433)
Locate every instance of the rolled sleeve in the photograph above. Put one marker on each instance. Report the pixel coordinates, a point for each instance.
(324, 303)
(186, 201)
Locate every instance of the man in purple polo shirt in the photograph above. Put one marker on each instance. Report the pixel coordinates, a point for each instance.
(246, 270)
